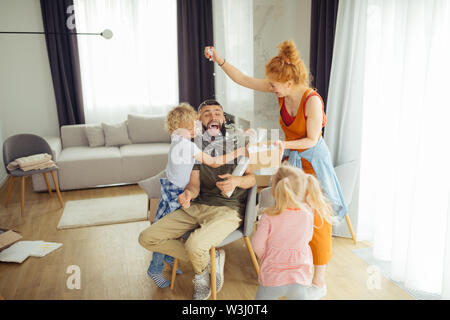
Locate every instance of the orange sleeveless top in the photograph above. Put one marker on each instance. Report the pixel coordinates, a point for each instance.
(297, 129)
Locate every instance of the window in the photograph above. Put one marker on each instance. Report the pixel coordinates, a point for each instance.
(137, 70)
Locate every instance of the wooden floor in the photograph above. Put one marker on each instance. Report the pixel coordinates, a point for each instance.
(113, 265)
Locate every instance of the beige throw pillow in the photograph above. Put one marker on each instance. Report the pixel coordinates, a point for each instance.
(116, 134)
(147, 129)
(95, 136)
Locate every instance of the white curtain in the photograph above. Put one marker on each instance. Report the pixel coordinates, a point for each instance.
(233, 38)
(345, 97)
(137, 70)
(401, 49)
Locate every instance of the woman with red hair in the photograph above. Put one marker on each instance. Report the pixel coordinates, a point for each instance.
(302, 117)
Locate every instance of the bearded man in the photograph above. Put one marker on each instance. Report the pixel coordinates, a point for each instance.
(204, 208)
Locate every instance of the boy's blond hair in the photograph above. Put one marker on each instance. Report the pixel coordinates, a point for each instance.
(180, 116)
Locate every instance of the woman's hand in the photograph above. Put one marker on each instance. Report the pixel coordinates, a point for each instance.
(236, 75)
(185, 199)
(280, 144)
(215, 56)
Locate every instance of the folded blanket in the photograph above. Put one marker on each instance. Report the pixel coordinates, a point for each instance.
(41, 161)
(48, 164)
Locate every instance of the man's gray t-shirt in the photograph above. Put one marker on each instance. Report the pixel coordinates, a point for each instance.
(209, 193)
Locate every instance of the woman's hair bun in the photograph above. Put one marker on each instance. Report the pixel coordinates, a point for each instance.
(288, 52)
(287, 65)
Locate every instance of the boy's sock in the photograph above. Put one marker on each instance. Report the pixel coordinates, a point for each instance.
(155, 270)
(159, 279)
(170, 260)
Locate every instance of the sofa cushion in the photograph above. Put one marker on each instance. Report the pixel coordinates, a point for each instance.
(84, 167)
(95, 135)
(74, 136)
(141, 161)
(147, 129)
(116, 134)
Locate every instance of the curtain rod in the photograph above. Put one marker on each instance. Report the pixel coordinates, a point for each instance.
(107, 34)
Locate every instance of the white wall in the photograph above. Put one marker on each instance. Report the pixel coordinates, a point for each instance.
(2, 169)
(26, 90)
(273, 22)
(27, 100)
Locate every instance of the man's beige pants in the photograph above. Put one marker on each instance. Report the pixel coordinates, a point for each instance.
(212, 225)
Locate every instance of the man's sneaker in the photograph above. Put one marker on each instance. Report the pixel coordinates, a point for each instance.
(316, 293)
(220, 263)
(202, 288)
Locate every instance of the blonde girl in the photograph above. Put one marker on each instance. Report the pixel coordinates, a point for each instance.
(282, 238)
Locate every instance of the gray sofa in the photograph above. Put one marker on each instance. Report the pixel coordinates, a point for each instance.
(82, 166)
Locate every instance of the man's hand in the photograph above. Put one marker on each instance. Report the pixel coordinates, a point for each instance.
(185, 199)
(229, 184)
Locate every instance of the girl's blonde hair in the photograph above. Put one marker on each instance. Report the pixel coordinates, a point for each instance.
(290, 185)
(180, 116)
(288, 65)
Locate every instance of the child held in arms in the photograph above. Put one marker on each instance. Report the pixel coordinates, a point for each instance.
(183, 154)
(283, 234)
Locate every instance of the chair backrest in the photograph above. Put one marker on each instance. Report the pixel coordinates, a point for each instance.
(23, 145)
(249, 219)
(347, 174)
(250, 211)
(266, 199)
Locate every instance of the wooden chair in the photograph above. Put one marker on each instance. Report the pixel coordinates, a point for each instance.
(347, 174)
(24, 145)
(243, 232)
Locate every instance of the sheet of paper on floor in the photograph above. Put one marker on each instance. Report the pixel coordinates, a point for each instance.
(21, 250)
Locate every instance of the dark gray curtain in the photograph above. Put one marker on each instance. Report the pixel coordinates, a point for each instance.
(323, 26)
(195, 31)
(64, 62)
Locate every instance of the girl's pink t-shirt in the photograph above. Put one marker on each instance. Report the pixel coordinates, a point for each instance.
(282, 244)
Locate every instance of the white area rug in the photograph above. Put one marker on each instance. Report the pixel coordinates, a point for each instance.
(101, 211)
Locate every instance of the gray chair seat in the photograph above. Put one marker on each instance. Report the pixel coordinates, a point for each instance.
(21, 173)
(235, 235)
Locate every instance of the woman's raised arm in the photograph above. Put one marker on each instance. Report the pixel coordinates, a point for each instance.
(236, 75)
